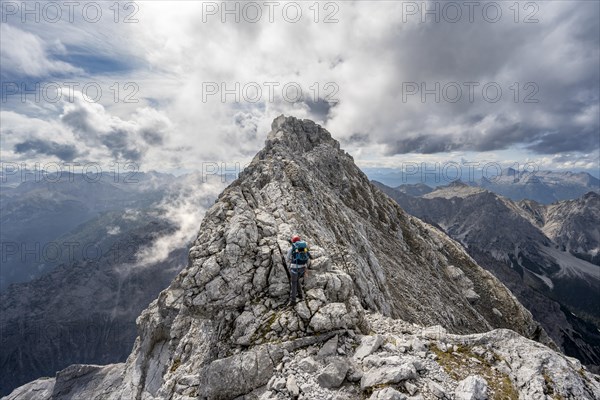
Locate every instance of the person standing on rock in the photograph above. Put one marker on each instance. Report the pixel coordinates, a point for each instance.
(298, 257)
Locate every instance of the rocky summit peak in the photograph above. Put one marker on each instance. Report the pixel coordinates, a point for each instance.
(222, 329)
(294, 130)
(291, 136)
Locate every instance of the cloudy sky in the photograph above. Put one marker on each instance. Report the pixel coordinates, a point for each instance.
(173, 85)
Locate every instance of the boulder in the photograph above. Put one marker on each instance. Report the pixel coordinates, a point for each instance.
(368, 344)
(387, 394)
(333, 374)
(239, 374)
(329, 348)
(388, 375)
(473, 387)
(309, 365)
(292, 386)
(437, 390)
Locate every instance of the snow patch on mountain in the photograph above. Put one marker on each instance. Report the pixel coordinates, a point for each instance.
(456, 189)
(545, 279)
(572, 266)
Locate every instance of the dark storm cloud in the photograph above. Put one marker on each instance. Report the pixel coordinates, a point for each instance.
(319, 108)
(152, 137)
(423, 143)
(358, 138)
(118, 142)
(582, 141)
(79, 120)
(62, 151)
(559, 55)
(502, 134)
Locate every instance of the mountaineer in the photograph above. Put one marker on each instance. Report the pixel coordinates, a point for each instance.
(298, 257)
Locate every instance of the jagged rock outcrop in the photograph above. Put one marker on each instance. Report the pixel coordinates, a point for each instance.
(221, 329)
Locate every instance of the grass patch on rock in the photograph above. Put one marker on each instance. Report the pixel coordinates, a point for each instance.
(175, 365)
(549, 387)
(463, 363)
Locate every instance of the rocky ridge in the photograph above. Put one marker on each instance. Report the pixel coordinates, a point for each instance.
(396, 361)
(221, 330)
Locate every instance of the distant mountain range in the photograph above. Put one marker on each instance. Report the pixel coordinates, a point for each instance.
(46, 223)
(84, 311)
(541, 186)
(548, 255)
(42, 220)
(91, 256)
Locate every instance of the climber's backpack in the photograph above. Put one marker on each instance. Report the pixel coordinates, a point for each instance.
(300, 253)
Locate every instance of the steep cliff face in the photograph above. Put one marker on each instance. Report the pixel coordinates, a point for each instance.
(222, 329)
(573, 224)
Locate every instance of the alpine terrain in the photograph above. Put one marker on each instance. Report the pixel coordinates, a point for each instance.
(393, 307)
(546, 254)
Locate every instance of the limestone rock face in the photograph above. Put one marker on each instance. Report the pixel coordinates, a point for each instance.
(221, 329)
